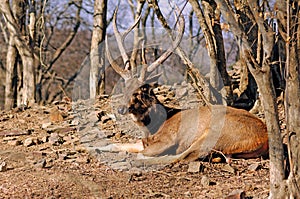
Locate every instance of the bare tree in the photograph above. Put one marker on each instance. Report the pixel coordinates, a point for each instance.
(288, 14)
(20, 45)
(97, 72)
(63, 17)
(258, 51)
(32, 50)
(209, 20)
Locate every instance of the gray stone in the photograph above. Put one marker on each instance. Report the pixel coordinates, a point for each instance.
(205, 181)
(253, 167)
(41, 163)
(3, 167)
(194, 167)
(14, 142)
(54, 139)
(228, 168)
(28, 142)
(46, 125)
(236, 194)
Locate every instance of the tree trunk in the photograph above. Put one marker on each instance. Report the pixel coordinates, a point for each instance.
(11, 76)
(136, 39)
(292, 106)
(97, 71)
(258, 62)
(208, 22)
(292, 96)
(221, 78)
(16, 26)
(28, 97)
(267, 91)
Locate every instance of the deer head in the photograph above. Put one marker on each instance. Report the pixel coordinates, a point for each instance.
(139, 99)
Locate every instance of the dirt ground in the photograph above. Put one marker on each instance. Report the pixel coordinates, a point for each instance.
(49, 152)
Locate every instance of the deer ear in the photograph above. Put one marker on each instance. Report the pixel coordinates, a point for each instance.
(153, 79)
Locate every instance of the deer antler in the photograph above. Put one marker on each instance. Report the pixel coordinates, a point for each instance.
(144, 62)
(168, 52)
(124, 73)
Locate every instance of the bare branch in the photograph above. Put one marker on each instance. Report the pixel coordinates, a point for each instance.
(5, 36)
(69, 39)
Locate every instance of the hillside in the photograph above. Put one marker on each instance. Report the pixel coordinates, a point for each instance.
(49, 152)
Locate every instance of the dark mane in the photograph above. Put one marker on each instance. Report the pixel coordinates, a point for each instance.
(148, 110)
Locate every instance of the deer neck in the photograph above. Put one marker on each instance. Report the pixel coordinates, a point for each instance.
(155, 117)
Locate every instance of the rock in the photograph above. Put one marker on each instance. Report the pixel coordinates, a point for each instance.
(228, 168)
(65, 130)
(14, 142)
(7, 139)
(205, 182)
(92, 117)
(28, 142)
(55, 139)
(188, 194)
(55, 115)
(46, 125)
(67, 138)
(45, 139)
(3, 167)
(80, 149)
(121, 166)
(254, 167)
(75, 122)
(194, 167)
(236, 194)
(82, 159)
(91, 134)
(40, 164)
(181, 92)
(13, 132)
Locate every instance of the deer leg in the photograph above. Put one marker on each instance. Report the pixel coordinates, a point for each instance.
(159, 144)
(129, 147)
(192, 153)
(196, 150)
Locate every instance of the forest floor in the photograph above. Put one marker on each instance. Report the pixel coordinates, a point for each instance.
(49, 152)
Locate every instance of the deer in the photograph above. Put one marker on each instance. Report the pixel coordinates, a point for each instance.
(172, 134)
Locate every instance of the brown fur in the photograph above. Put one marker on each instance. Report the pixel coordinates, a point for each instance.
(194, 133)
(242, 135)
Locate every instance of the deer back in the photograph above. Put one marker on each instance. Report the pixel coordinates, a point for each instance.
(199, 130)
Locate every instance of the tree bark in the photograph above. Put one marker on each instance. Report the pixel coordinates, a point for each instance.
(97, 71)
(136, 39)
(11, 76)
(292, 96)
(259, 66)
(210, 25)
(18, 35)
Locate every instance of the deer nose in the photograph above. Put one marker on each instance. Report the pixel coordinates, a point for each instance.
(122, 110)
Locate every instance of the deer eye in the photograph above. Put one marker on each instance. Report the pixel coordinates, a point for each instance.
(122, 110)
